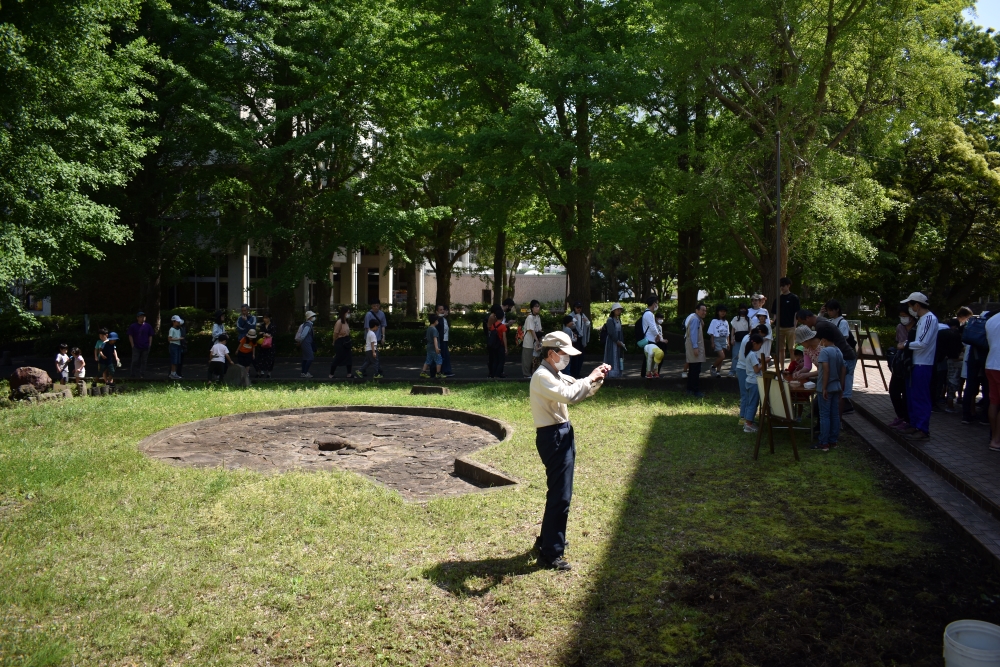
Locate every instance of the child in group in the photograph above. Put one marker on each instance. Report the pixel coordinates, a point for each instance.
(739, 329)
(219, 359)
(433, 348)
(102, 338)
(829, 386)
(175, 336)
(79, 369)
(741, 370)
(109, 360)
(62, 364)
(754, 365)
(764, 320)
(654, 357)
(246, 351)
(798, 357)
(718, 329)
(371, 350)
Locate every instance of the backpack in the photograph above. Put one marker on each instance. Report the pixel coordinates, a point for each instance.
(493, 340)
(640, 331)
(851, 340)
(300, 334)
(975, 333)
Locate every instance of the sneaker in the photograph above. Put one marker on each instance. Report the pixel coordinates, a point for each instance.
(749, 428)
(918, 435)
(902, 426)
(732, 374)
(378, 376)
(649, 376)
(558, 563)
(449, 375)
(895, 422)
(330, 376)
(696, 394)
(305, 375)
(358, 374)
(820, 448)
(967, 421)
(684, 374)
(714, 372)
(425, 375)
(173, 376)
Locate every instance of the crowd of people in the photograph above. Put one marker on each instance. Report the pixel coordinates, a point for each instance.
(934, 365)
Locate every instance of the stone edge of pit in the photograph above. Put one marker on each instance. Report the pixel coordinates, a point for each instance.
(464, 466)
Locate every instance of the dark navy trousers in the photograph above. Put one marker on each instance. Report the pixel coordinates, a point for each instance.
(558, 452)
(918, 397)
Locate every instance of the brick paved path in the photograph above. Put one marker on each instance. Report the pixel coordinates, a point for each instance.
(954, 468)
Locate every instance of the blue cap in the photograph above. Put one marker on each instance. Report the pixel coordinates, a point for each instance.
(112, 336)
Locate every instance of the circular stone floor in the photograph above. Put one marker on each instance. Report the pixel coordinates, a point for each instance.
(413, 453)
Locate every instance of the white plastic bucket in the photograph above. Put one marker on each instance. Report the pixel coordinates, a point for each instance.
(972, 644)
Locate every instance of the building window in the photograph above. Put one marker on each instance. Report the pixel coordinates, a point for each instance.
(373, 284)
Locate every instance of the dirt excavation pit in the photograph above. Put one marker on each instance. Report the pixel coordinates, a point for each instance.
(416, 451)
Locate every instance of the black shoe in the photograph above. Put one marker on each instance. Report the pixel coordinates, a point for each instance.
(557, 563)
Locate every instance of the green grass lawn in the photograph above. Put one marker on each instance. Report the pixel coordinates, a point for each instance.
(685, 551)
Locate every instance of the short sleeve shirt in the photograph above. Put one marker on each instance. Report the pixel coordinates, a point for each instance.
(371, 340)
(718, 328)
(380, 317)
(753, 359)
(108, 350)
(219, 352)
(832, 356)
(430, 335)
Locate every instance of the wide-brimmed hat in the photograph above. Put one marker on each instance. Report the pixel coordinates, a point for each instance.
(757, 296)
(310, 314)
(616, 306)
(803, 333)
(252, 333)
(919, 297)
(763, 312)
(557, 340)
(112, 336)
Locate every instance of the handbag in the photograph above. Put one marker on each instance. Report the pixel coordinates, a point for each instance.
(267, 342)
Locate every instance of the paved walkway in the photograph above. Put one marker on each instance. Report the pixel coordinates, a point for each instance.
(954, 468)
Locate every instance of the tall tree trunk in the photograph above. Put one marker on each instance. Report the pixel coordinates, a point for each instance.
(689, 244)
(153, 298)
(578, 269)
(499, 266)
(443, 264)
(414, 260)
(323, 293)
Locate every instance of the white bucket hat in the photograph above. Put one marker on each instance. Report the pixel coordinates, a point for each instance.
(310, 314)
(803, 333)
(557, 340)
(616, 306)
(919, 297)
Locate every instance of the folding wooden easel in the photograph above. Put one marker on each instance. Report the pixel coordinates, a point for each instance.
(775, 410)
(869, 349)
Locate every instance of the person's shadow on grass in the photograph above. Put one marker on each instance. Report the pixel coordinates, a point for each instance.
(475, 578)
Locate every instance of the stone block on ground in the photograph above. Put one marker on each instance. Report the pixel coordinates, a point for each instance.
(428, 389)
(29, 375)
(237, 376)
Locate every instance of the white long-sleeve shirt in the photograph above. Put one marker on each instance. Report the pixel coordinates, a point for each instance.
(649, 325)
(552, 393)
(925, 344)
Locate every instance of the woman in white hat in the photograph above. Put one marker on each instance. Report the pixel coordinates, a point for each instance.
(551, 394)
(614, 346)
(304, 337)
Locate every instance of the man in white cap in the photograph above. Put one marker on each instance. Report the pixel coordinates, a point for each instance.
(923, 348)
(551, 394)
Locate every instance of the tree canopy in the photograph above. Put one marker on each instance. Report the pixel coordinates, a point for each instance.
(633, 143)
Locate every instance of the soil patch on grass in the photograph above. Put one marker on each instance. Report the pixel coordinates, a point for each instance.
(762, 611)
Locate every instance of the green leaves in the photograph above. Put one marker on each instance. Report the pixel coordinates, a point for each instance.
(69, 127)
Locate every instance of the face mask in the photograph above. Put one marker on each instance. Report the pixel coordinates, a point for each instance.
(659, 320)
(913, 312)
(654, 307)
(563, 362)
(904, 320)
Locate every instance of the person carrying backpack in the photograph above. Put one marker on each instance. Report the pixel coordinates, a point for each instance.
(304, 337)
(645, 329)
(974, 335)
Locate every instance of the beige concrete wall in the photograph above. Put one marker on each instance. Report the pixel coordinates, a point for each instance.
(467, 288)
